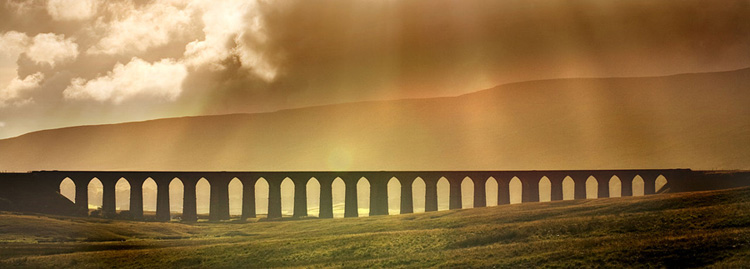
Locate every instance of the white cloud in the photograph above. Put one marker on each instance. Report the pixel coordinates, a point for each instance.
(137, 30)
(222, 21)
(12, 92)
(254, 60)
(51, 49)
(137, 78)
(227, 22)
(230, 28)
(67, 10)
(13, 43)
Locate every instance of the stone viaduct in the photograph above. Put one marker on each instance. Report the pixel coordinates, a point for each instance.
(378, 180)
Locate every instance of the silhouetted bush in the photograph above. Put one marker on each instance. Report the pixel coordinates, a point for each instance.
(96, 213)
(125, 214)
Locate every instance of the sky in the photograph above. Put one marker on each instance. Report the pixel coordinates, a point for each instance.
(77, 62)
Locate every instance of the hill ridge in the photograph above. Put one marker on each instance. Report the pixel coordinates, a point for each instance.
(392, 100)
(700, 121)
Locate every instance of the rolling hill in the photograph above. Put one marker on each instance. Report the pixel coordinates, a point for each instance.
(698, 121)
(679, 230)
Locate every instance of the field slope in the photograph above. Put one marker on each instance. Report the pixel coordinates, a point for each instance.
(666, 230)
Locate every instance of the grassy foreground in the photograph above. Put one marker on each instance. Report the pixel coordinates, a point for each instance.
(667, 230)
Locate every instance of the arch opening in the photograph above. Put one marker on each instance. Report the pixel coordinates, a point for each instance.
(122, 195)
(638, 186)
(516, 189)
(615, 187)
(363, 196)
(568, 186)
(545, 189)
(287, 197)
(176, 197)
(261, 197)
(203, 198)
(490, 187)
(313, 197)
(418, 191)
(68, 189)
(96, 199)
(235, 197)
(443, 194)
(394, 196)
(592, 188)
(149, 198)
(467, 193)
(338, 189)
(661, 182)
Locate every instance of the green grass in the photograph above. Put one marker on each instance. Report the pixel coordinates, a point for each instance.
(668, 230)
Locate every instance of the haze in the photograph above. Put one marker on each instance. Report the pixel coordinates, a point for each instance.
(69, 63)
(66, 63)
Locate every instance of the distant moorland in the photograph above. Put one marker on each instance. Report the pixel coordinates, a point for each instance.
(699, 121)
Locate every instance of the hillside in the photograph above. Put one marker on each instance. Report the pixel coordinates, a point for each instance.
(669, 230)
(699, 121)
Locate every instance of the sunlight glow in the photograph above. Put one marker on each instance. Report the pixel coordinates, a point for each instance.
(339, 159)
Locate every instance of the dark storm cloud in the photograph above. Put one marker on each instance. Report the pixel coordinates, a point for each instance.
(343, 46)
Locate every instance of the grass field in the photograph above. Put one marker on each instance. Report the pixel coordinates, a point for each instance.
(667, 230)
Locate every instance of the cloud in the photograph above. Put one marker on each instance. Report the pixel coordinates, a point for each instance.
(51, 49)
(138, 78)
(12, 93)
(141, 29)
(222, 22)
(68, 10)
(13, 43)
(253, 58)
(259, 55)
(19, 7)
(48, 48)
(231, 28)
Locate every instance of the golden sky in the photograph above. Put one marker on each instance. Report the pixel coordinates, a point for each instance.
(74, 62)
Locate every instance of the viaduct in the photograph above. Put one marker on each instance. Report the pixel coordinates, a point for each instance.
(678, 180)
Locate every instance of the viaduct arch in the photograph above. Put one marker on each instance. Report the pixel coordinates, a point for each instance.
(377, 180)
